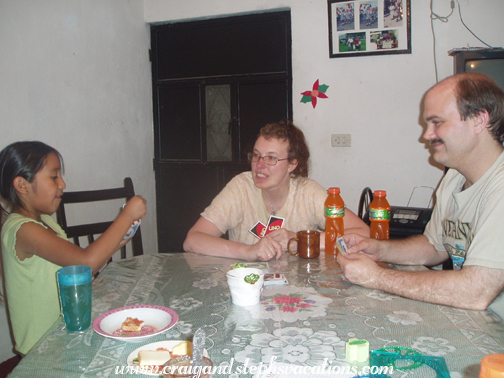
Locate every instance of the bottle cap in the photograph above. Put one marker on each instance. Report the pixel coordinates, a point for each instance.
(333, 191)
(492, 366)
(380, 193)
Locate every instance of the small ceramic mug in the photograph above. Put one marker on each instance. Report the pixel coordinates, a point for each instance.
(308, 244)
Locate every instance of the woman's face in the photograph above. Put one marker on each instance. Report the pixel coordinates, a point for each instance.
(272, 176)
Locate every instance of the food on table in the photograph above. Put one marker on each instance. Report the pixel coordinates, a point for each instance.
(153, 357)
(182, 349)
(132, 324)
(238, 265)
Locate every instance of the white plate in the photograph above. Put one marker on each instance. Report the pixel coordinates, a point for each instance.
(161, 318)
(168, 344)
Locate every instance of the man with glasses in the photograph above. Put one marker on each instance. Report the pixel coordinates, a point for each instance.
(264, 208)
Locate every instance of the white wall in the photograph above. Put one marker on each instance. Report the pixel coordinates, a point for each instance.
(76, 75)
(374, 98)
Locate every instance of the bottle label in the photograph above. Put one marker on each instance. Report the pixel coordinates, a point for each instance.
(335, 212)
(379, 214)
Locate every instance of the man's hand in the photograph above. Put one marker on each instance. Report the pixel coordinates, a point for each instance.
(359, 268)
(360, 244)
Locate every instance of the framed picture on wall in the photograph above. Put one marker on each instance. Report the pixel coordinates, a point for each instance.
(369, 27)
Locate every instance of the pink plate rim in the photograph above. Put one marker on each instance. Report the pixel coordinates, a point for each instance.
(97, 321)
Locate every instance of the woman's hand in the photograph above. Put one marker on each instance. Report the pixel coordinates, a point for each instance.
(282, 236)
(264, 250)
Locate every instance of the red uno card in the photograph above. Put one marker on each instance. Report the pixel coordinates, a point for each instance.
(258, 230)
(274, 223)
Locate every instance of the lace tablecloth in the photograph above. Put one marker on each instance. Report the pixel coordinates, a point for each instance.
(303, 323)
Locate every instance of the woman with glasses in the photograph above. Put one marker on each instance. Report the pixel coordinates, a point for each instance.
(277, 186)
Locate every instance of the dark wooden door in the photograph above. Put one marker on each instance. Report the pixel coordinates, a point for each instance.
(215, 83)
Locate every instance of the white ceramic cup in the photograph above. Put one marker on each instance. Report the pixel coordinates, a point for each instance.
(243, 293)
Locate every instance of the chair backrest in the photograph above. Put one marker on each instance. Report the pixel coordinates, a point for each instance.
(90, 230)
(365, 200)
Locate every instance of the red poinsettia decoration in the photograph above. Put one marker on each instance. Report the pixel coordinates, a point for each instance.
(318, 91)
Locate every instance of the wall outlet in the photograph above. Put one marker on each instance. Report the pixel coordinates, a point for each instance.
(341, 140)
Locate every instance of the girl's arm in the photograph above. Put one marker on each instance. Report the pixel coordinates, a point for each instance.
(33, 239)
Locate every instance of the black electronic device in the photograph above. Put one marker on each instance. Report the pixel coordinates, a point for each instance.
(488, 61)
(407, 221)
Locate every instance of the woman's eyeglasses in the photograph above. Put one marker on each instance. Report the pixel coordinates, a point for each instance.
(268, 160)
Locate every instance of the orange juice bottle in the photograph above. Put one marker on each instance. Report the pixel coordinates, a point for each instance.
(334, 213)
(379, 215)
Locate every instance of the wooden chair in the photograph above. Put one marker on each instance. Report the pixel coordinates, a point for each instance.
(90, 230)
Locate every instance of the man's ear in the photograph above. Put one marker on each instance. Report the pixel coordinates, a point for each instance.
(481, 121)
(20, 184)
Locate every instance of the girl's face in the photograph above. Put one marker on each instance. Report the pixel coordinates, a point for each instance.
(44, 193)
(272, 176)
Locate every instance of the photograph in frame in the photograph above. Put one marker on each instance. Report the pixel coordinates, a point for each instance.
(369, 27)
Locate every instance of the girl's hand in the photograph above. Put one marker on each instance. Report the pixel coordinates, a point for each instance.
(135, 208)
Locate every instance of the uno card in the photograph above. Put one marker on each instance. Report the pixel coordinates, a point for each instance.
(340, 244)
(274, 223)
(258, 230)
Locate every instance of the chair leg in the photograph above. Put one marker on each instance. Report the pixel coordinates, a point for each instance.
(7, 366)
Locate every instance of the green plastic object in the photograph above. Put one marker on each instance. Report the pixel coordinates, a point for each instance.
(252, 278)
(381, 358)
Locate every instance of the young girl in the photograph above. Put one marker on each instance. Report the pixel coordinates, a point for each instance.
(34, 246)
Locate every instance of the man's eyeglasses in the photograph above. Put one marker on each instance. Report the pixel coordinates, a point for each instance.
(268, 160)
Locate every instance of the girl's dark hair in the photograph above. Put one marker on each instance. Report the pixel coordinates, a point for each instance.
(298, 149)
(22, 159)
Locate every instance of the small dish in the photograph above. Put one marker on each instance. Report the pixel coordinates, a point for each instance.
(168, 344)
(157, 320)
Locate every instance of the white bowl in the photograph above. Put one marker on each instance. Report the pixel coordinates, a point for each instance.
(161, 318)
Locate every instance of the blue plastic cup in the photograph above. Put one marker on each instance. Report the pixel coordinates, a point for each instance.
(74, 283)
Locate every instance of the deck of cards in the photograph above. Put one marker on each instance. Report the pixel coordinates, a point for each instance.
(340, 244)
(275, 279)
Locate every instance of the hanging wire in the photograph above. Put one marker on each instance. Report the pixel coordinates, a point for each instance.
(421, 186)
(463, 23)
(434, 16)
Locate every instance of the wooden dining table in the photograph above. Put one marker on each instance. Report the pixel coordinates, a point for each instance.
(307, 322)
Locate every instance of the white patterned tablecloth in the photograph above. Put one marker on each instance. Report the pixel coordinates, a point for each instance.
(303, 323)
